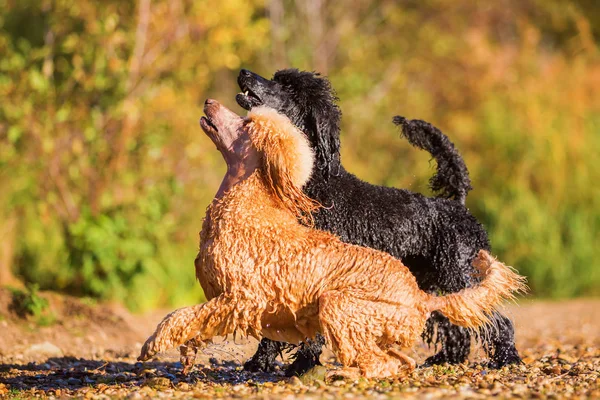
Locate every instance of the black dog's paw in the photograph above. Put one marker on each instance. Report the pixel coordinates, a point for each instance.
(444, 358)
(301, 364)
(436, 359)
(502, 358)
(259, 365)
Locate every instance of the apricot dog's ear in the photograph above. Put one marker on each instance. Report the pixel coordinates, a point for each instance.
(287, 160)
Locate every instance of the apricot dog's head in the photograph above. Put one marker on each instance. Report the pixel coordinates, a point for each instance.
(268, 141)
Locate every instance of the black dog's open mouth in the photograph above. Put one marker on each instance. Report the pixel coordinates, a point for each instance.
(247, 99)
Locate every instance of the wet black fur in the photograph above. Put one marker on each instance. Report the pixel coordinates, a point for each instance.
(451, 179)
(437, 238)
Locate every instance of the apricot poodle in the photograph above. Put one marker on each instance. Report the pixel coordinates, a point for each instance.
(265, 274)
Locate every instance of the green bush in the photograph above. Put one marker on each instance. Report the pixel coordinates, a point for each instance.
(29, 303)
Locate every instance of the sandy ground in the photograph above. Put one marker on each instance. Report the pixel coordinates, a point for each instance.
(90, 351)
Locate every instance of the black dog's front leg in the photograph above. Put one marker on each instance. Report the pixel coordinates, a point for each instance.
(307, 356)
(266, 354)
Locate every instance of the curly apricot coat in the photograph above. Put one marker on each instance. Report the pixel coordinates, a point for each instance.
(267, 275)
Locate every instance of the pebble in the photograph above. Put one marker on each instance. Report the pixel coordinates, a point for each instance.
(148, 371)
(237, 388)
(315, 374)
(121, 377)
(295, 381)
(46, 349)
(74, 381)
(158, 383)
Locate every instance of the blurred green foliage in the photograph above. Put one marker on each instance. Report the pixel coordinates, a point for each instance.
(28, 303)
(105, 169)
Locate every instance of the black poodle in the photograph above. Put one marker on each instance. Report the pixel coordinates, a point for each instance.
(437, 238)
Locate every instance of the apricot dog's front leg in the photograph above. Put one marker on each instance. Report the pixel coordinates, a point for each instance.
(217, 317)
(187, 354)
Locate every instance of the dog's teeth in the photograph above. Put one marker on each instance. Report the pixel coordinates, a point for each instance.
(246, 93)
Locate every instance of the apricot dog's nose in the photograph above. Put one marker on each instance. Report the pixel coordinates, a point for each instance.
(208, 102)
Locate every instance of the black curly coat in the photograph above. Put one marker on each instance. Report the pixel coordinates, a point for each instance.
(437, 238)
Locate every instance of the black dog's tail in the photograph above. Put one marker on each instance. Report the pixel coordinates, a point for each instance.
(452, 177)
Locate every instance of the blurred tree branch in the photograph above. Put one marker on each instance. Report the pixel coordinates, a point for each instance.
(8, 236)
(276, 16)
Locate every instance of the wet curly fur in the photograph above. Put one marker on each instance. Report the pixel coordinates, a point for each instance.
(437, 238)
(265, 274)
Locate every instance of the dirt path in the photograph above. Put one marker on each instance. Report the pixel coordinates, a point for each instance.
(90, 352)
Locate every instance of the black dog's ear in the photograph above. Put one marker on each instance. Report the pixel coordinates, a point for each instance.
(323, 128)
(314, 109)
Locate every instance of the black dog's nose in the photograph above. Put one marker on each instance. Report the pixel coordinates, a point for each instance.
(245, 72)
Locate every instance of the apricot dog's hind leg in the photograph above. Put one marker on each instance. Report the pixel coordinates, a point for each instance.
(356, 330)
(218, 317)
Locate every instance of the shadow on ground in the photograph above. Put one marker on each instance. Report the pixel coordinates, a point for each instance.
(71, 374)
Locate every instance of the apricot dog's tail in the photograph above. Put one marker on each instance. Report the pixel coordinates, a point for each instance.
(472, 307)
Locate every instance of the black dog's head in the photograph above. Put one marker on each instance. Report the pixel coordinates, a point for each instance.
(308, 100)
